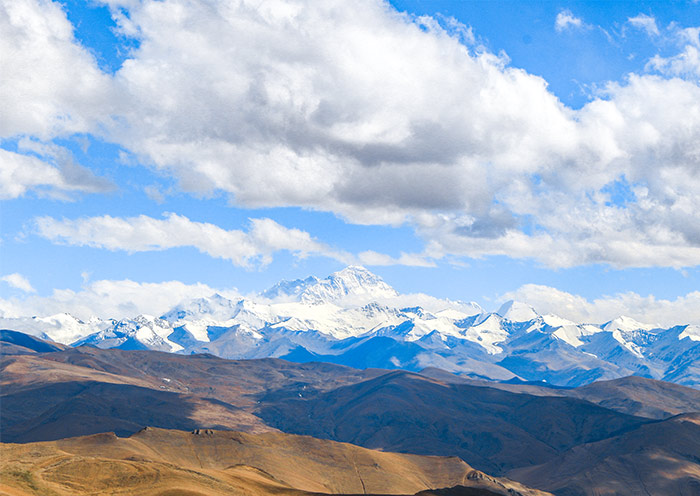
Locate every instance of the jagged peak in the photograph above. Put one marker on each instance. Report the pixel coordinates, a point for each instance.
(214, 305)
(288, 289)
(352, 281)
(353, 270)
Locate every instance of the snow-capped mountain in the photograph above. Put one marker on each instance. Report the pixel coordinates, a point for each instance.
(352, 283)
(142, 332)
(62, 327)
(354, 318)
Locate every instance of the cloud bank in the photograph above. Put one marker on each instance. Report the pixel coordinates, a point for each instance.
(252, 248)
(379, 117)
(126, 298)
(143, 233)
(646, 309)
(110, 299)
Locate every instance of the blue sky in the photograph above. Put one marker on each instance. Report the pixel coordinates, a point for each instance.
(479, 150)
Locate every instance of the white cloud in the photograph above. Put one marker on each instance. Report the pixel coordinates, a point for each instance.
(18, 281)
(646, 309)
(356, 109)
(450, 137)
(685, 64)
(374, 258)
(646, 23)
(566, 20)
(50, 85)
(143, 233)
(111, 299)
(46, 170)
(328, 125)
(254, 247)
(22, 173)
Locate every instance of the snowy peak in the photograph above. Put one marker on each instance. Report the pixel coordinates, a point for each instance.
(692, 332)
(289, 290)
(142, 332)
(353, 282)
(516, 311)
(62, 327)
(626, 324)
(215, 307)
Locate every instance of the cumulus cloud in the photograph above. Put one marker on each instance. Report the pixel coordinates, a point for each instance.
(646, 23)
(646, 309)
(566, 20)
(384, 118)
(390, 121)
(50, 87)
(18, 281)
(111, 299)
(48, 171)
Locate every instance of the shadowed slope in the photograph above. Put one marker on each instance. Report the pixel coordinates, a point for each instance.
(632, 395)
(87, 390)
(18, 343)
(494, 430)
(641, 396)
(660, 459)
(72, 409)
(234, 381)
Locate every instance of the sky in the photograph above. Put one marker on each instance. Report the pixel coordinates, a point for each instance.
(153, 151)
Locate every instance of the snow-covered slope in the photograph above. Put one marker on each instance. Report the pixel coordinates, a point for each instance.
(354, 318)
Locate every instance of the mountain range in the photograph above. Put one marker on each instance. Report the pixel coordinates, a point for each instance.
(354, 318)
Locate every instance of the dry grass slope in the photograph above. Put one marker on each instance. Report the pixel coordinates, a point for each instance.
(205, 462)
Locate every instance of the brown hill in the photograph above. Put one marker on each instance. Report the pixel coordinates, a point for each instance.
(633, 395)
(494, 430)
(238, 382)
(657, 459)
(494, 427)
(87, 390)
(641, 396)
(205, 462)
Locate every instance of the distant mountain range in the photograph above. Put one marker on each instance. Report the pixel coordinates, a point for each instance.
(354, 318)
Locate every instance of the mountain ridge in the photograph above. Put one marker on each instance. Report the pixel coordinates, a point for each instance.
(329, 318)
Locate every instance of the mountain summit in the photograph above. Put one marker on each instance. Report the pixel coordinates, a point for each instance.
(353, 282)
